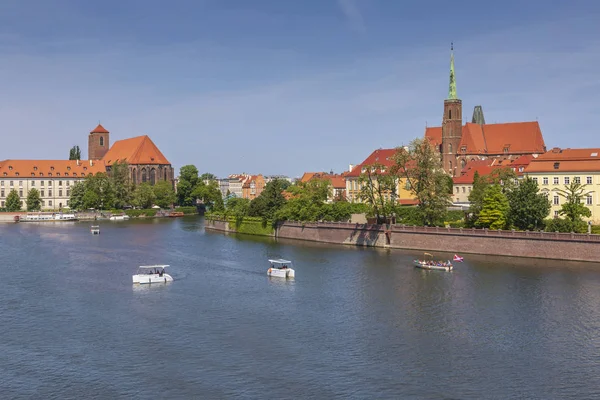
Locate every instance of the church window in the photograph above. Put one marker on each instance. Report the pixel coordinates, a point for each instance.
(463, 163)
(101, 140)
(152, 176)
(144, 177)
(134, 176)
(165, 178)
(450, 165)
(449, 114)
(449, 147)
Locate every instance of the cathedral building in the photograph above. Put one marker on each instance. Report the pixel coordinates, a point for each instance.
(460, 143)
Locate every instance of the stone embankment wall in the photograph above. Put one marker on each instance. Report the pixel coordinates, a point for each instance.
(559, 246)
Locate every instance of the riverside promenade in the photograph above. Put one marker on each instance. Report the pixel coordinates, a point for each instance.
(543, 245)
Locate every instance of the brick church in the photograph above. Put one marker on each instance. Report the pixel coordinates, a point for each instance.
(146, 162)
(476, 140)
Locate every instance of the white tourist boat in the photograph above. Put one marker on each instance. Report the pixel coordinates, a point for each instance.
(95, 229)
(48, 217)
(119, 217)
(430, 263)
(281, 268)
(152, 274)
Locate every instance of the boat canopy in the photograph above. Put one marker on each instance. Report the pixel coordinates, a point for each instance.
(279, 261)
(153, 266)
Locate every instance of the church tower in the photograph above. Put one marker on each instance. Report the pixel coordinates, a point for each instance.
(98, 143)
(451, 124)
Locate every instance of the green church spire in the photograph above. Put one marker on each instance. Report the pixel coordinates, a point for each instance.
(452, 88)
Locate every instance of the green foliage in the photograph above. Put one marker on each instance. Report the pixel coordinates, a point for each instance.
(77, 193)
(421, 166)
(34, 201)
(269, 201)
(596, 229)
(188, 179)
(378, 190)
(143, 196)
(164, 195)
(573, 209)
(207, 177)
(121, 185)
(99, 192)
(13, 201)
(565, 225)
(187, 210)
(209, 194)
(528, 207)
(75, 153)
(251, 226)
(476, 198)
(237, 208)
(140, 213)
(494, 213)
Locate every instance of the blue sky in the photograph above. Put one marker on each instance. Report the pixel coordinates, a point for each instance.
(283, 87)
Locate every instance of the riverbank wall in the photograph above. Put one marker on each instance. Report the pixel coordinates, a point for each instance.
(544, 245)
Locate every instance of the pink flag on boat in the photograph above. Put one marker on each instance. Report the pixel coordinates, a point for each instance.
(458, 258)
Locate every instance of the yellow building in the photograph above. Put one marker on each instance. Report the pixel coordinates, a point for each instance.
(384, 158)
(560, 167)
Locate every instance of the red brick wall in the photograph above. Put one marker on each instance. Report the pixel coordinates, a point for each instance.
(517, 244)
(95, 150)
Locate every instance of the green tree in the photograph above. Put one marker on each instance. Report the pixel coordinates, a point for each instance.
(378, 190)
(269, 201)
(207, 176)
(75, 153)
(480, 183)
(494, 213)
(237, 207)
(573, 208)
(164, 194)
(188, 179)
(13, 201)
(528, 207)
(143, 196)
(421, 165)
(99, 192)
(121, 184)
(210, 195)
(34, 201)
(76, 198)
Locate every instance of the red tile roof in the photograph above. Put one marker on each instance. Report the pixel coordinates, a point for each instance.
(99, 129)
(380, 156)
(483, 167)
(338, 181)
(136, 150)
(20, 169)
(517, 137)
(566, 160)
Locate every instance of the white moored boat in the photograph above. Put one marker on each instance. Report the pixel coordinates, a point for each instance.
(152, 274)
(281, 269)
(48, 217)
(95, 229)
(119, 217)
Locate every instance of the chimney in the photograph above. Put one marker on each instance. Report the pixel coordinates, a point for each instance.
(91, 163)
(78, 163)
(350, 167)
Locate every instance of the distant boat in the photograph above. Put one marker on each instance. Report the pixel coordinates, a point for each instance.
(48, 217)
(175, 214)
(458, 258)
(95, 229)
(429, 263)
(152, 274)
(281, 269)
(123, 217)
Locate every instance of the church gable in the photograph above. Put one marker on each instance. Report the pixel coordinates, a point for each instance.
(135, 151)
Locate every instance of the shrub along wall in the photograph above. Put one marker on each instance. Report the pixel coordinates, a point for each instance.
(187, 210)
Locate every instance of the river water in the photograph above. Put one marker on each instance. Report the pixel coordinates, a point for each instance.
(354, 324)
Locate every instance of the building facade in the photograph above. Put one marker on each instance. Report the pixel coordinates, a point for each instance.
(558, 168)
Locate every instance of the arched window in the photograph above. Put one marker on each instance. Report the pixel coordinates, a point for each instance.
(101, 140)
(165, 174)
(449, 114)
(450, 162)
(144, 177)
(134, 176)
(450, 148)
(463, 163)
(152, 176)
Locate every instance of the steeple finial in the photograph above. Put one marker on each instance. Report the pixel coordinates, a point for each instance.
(452, 88)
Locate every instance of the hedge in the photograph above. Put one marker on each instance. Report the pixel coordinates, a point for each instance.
(187, 210)
(139, 213)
